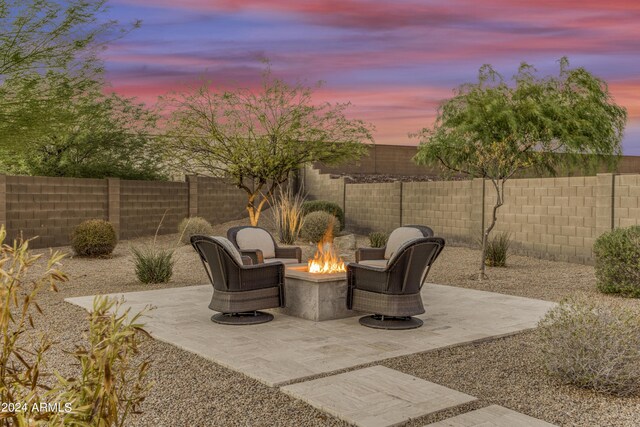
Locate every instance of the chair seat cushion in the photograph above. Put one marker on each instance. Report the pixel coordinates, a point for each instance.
(380, 263)
(398, 237)
(256, 238)
(282, 260)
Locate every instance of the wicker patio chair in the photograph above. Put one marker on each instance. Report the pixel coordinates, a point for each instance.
(378, 257)
(257, 243)
(240, 288)
(392, 292)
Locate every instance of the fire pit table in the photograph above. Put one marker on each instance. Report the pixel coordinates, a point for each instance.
(315, 296)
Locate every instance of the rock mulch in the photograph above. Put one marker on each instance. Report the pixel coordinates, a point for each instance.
(192, 391)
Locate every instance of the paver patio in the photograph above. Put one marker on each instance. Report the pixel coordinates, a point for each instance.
(376, 396)
(289, 349)
(492, 416)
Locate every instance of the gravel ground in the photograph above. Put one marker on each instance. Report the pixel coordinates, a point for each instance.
(192, 391)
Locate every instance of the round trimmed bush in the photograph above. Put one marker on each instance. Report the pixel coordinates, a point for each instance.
(594, 346)
(191, 226)
(618, 261)
(316, 224)
(324, 206)
(95, 237)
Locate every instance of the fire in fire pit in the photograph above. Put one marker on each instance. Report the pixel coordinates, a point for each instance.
(325, 260)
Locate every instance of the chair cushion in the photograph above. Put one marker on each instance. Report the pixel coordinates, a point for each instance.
(398, 237)
(226, 243)
(379, 263)
(282, 260)
(256, 238)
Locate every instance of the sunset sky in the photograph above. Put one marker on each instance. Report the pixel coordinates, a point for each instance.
(394, 60)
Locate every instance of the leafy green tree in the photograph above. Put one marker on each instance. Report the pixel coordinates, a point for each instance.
(493, 130)
(41, 42)
(256, 139)
(99, 136)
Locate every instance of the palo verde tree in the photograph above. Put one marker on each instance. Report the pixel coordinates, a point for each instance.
(493, 130)
(256, 138)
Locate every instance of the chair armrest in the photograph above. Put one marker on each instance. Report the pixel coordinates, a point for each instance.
(356, 266)
(289, 252)
(246, 260)
(258, 276)
(363, 254)
(367, 277)
(254, 254)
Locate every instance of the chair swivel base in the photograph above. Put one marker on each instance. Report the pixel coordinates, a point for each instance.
(378, 321)
(245, 318)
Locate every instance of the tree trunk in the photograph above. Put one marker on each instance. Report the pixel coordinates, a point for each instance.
(256, 209)
(494, 217)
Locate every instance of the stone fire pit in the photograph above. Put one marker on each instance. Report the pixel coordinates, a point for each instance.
(315, 296)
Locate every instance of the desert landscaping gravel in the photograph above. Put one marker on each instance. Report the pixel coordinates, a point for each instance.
(192, 391)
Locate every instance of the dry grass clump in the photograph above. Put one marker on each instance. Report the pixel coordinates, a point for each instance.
(378, 239)
(595, 346)
(498, 250)
(288, 215)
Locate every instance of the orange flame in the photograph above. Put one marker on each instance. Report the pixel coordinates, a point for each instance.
(325, 260)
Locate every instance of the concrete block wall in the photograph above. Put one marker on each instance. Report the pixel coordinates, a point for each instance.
(51, 207)
(626, 200)
(555, 218)
(319, 186)
(218, 201)
(398, 160)
(445, 206)
(144, 203)
(373, 206)
(550, 217)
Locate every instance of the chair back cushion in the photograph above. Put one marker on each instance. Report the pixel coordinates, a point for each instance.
(226, 243)
(256, 238)
(398, 237)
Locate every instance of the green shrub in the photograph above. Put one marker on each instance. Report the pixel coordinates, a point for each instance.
(95, 237)
(498, 250)
(618, 261)
(378, 239)
(593, 346)
(153, 264)
(191, 226)
(317, 224)
(324, 206)
(287, 215)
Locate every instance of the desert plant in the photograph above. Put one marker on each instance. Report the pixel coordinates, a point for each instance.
(618, 261)
(325, 206)
(95, 237)
(114, 382)
(378, 239)
(287, 215)
(194, 225)
(319, 225)
(153, 264)
(498, 250)
(98, 396)
(593, 346)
